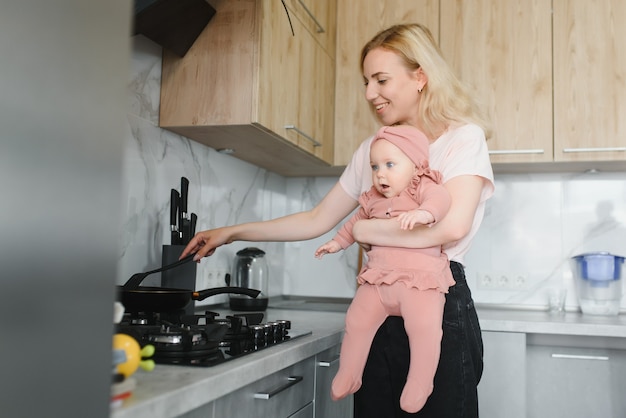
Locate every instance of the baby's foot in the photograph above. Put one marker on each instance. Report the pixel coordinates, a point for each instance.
(413, 397)
(343, 386)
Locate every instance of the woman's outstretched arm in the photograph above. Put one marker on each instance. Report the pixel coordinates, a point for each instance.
(335, 206)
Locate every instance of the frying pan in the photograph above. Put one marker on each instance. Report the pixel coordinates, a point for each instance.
(161, 299)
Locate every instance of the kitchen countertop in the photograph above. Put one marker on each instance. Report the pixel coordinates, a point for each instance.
(169, 391)
(545, 322)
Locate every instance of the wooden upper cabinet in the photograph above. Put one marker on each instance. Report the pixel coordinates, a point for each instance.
(503, 51)
(251, 85)
(589, 80)
(357, 23)
(319, 18)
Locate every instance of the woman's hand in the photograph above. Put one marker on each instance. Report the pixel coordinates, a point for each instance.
(204, 243)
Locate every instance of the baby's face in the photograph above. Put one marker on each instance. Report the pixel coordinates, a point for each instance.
(392, 169)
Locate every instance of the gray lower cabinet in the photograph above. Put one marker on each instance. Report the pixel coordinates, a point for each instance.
(205, 411)
(326, 366)
(576, 376)
(286, 393)
(306, 412)
(503, 384)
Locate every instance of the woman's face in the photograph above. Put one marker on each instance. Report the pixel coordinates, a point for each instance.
(391, 88)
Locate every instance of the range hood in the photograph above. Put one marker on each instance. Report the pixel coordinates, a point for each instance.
(173, 24)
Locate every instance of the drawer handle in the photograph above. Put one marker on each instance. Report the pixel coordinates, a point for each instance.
(607, 149)
(328, 363)
(579, 357)
(310, 138)
(320, 28)
(291, 380)
(516, 151)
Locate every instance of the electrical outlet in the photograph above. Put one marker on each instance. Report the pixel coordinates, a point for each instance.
(492, 280)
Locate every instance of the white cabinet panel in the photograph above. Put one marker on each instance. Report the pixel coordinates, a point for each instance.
(503, 384)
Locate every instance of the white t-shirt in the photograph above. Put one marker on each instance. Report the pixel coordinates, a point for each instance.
(459, 151)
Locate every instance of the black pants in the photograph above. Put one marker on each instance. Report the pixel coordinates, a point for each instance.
(459, 371)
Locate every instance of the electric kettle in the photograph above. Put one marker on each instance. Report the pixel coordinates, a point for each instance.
(250, 270)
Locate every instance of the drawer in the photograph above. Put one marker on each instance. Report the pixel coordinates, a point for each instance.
(306, 412)
(278, 395)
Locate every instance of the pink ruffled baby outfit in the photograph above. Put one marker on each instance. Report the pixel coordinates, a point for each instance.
(405, 282)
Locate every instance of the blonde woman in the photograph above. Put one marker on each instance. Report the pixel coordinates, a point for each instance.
(407, 82)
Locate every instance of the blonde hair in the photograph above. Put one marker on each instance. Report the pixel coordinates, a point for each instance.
(445, 100)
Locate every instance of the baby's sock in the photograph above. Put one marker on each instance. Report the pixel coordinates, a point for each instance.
(343, 385)
(413, 396)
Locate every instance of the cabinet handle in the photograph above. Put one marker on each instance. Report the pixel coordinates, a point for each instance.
(579, 357)
(291, 380)
(310, 138)
(516, 151)
(328, 363)
(607, 149)
(320, 28)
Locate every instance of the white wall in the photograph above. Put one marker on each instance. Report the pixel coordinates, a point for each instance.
(532, 226)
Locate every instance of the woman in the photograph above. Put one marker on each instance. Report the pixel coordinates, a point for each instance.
(407, 82)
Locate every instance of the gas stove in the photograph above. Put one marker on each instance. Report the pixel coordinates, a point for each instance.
(205, 339)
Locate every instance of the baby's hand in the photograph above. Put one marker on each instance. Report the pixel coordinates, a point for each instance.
(415, 217)
(330, 247)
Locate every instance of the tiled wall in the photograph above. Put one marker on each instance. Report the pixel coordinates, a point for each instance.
(223, 190)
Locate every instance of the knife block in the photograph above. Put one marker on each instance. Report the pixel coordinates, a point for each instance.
(181, 277)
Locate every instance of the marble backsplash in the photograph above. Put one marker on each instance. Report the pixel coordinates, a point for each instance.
(533, 224)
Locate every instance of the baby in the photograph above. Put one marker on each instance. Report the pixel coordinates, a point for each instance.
(405, 282)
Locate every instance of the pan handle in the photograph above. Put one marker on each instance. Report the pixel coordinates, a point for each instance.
(203, 294)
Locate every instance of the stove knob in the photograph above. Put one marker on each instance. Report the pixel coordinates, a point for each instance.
(285, 326)
(258, 335)
(276, 332)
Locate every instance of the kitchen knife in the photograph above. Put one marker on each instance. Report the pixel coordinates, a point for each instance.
(183, 222)
(192, 225)
(174, 204)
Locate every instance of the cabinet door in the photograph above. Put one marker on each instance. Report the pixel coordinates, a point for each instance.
(582, 378)
(306, 412)
(296, 83)
(503, 383)
(502, 50)
(279, 69)
(205, 411)
(316, 84)
(319, 18)
(278, 395)
(326, 366)
(357, 24)
(589, 80)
